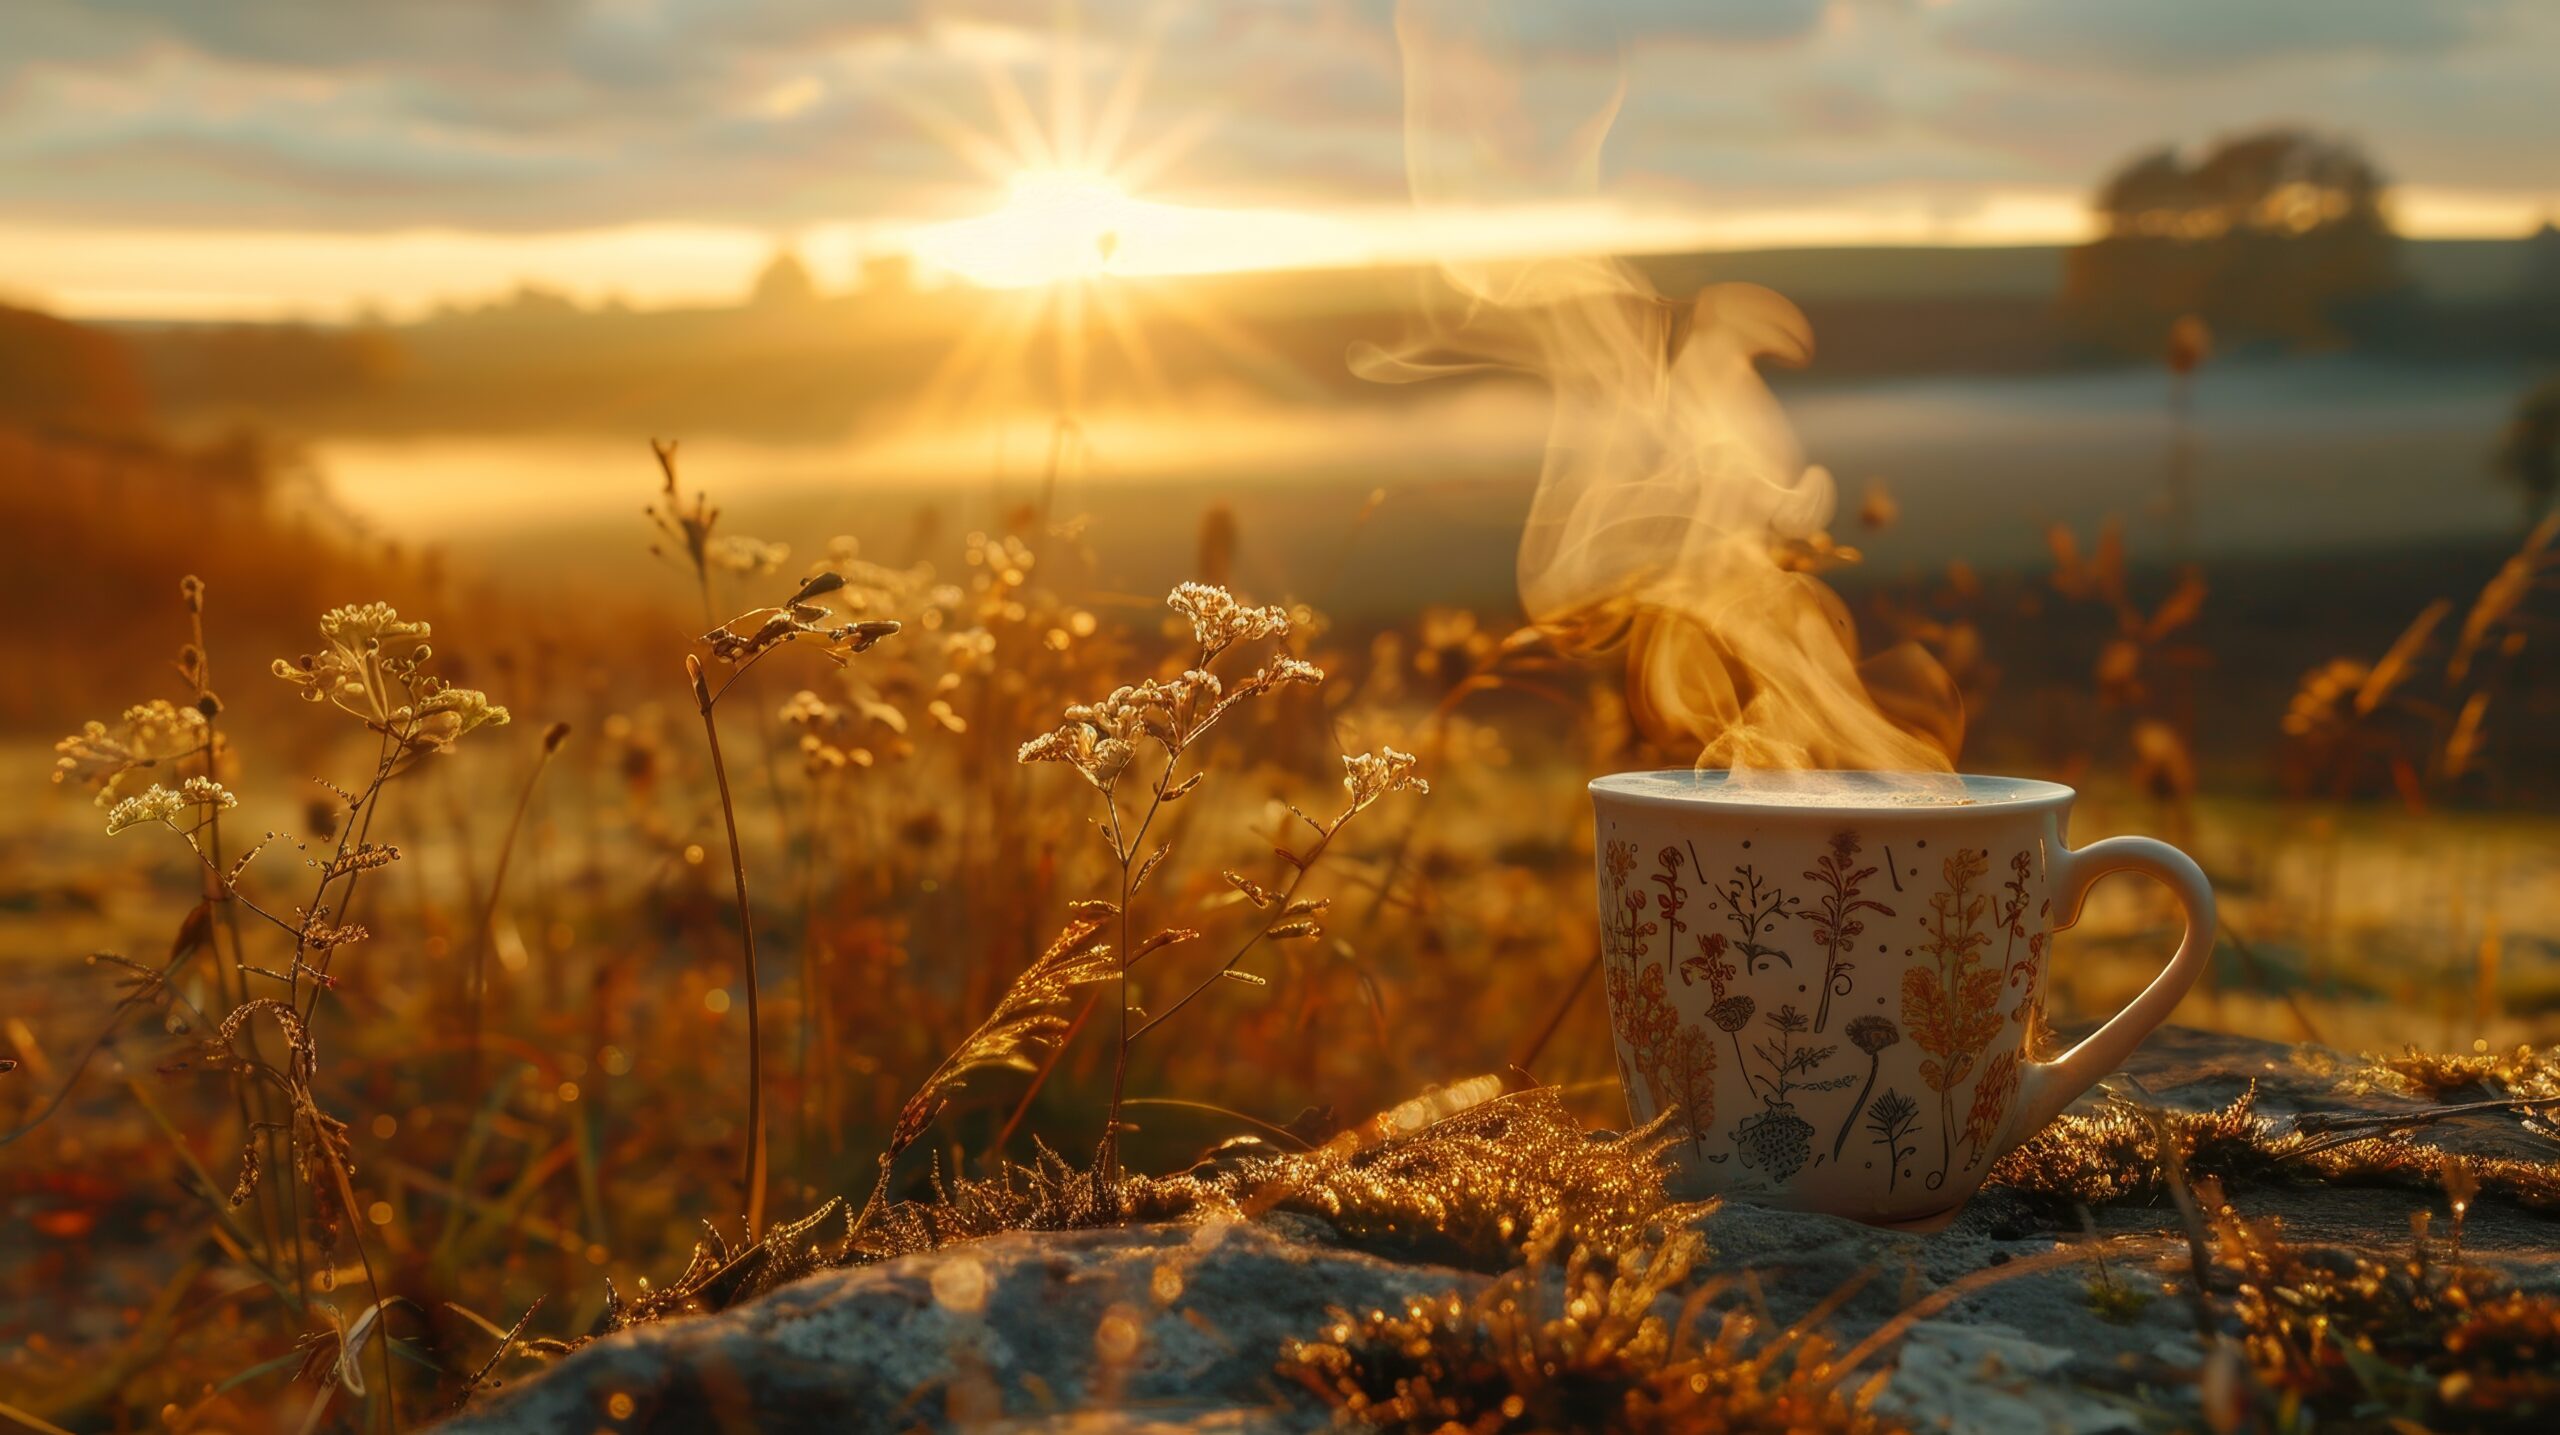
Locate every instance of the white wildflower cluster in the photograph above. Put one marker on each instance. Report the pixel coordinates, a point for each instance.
(1219, 622)
(374, 667)
(1100, 739)
(194, 799)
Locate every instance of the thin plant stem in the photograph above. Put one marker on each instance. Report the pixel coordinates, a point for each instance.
(256, 1116)
(485, 933)
(1212, 1108)
(1555, 1019)
(1108, 1167)
(1279, 910)
(373, 1287)
(752, 1176)
(357, 830)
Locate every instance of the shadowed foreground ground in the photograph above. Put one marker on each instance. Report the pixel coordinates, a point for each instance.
(2014, 1319)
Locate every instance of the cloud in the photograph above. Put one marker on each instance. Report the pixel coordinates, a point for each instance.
(533, 114)
(2118, 36)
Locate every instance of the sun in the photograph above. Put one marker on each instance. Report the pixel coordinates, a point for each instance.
(1055, 225)
(1071, 248)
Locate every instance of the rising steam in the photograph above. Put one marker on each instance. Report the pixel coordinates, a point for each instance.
(1672, 482)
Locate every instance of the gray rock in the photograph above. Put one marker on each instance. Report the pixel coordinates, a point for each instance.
(1993, 1380)
(1177, 1327)
(1141, 1328)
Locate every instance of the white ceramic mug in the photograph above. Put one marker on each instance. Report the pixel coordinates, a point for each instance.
(1829, 978)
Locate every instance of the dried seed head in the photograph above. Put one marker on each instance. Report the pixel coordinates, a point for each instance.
(1370, 776)
(1218, 621)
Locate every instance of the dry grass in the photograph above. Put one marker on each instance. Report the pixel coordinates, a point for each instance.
(1473, 1178)
(2116, 1155)
(1585, 1343)
(2344, 1340)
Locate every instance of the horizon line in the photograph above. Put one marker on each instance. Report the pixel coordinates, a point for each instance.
(122, 273)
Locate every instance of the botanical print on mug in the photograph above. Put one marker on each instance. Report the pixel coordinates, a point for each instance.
(1836, 924)
(1773, 1032)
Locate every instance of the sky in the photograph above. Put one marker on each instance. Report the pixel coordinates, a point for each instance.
(175, 158)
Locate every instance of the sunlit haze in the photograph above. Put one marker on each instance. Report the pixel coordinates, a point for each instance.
(1046, 229)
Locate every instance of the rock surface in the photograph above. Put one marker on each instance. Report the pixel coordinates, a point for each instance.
(1177, 1327)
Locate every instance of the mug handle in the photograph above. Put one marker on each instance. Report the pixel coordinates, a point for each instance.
(2048, 1086)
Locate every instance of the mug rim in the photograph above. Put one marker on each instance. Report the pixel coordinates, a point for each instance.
(1985, 794)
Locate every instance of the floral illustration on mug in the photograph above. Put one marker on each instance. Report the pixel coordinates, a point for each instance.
(1893, 1118)
(2013, 917)
(1990, 1102)
(1731, 1015)
(1836, 924)
(1674, 897)
(1952, 1006)
(1647, 1026)
(1639, 1009)
(2028, 1012)
(1687, 1063)
(1709, 963)
(1779, 1139)
(1626, 930)
(1870, 1034)
(1754, 908)
(1691, 1070)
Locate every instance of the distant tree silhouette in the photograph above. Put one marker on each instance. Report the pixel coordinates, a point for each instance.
(2529, 456)
(2269, 236)
(2540, 277)
(783, 283)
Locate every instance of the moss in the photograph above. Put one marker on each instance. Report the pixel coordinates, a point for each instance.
(2114, 1155)
(2350, 1339)
(1587, 1347)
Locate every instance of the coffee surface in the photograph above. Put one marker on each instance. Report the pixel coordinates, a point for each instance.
(1855, 790)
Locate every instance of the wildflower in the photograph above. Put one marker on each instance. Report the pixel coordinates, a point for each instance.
(205, 792)
(1285, 669)
(748, 557)
(1369, 776)
(1219, 622)
(158, 804)
(153, 804)
(1082, 746)
(374, 668)
(147, 735)
(1099, 739)
(448, 713)
(361, 624)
